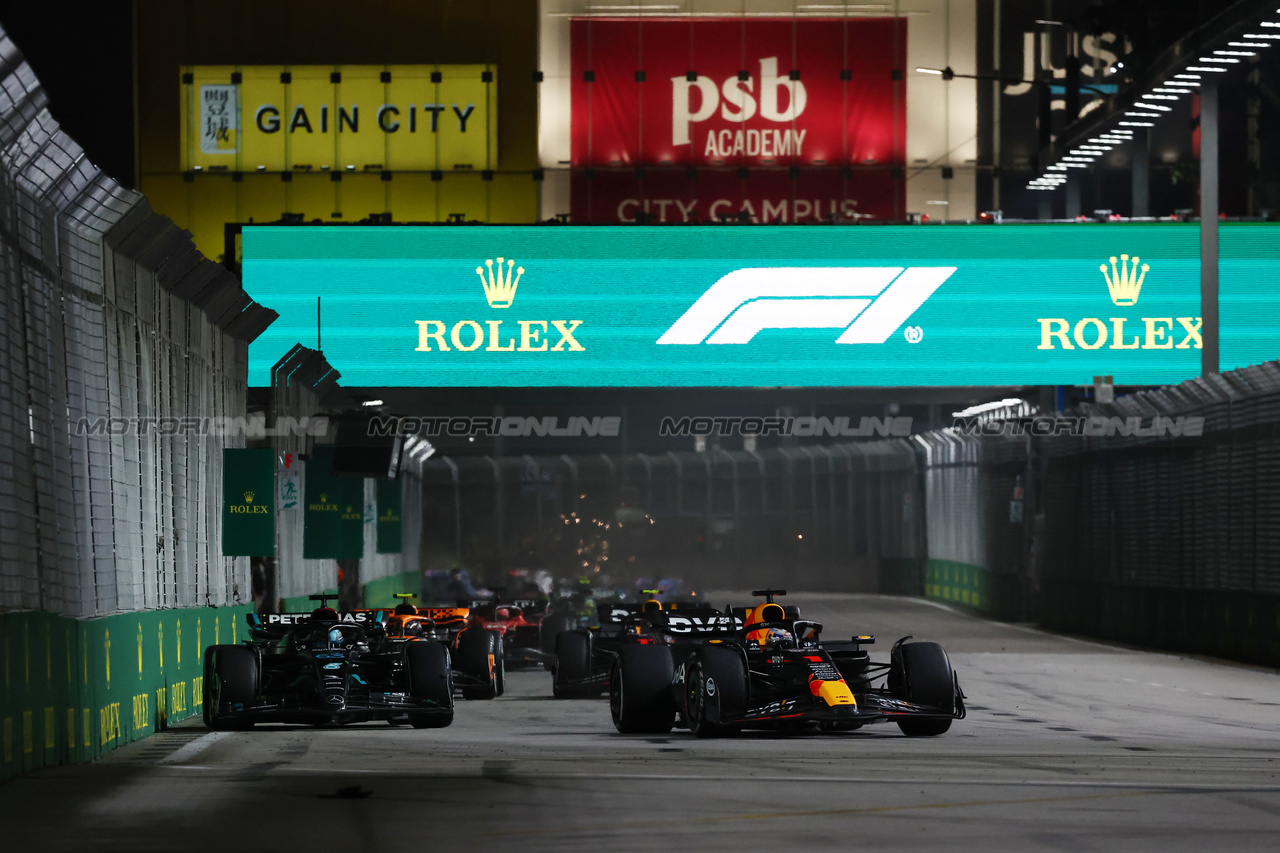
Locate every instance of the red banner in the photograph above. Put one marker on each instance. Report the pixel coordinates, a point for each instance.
(810, 92)
(790, 101)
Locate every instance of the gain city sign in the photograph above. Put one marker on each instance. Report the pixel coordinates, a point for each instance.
(725, 306)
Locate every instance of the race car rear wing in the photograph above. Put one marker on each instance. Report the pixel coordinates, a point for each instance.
(700, 622)
(361, 618)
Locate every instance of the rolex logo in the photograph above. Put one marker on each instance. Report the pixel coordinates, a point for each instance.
(248, 497)
(1126, 283)
(500, 290)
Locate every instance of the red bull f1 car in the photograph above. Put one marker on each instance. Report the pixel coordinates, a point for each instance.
(719, 672)
(326, 668)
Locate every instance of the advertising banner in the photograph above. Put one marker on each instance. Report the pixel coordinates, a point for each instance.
(812, 92)
(761, 306)
(333, 526)
(342, 117)
(824, 97)
(248, 489)
(389, 516)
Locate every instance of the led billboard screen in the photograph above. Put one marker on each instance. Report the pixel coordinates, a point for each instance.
(759, 306)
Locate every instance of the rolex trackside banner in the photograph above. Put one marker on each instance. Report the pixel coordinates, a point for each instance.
(248, 502)
(767, 305)
(333, 521)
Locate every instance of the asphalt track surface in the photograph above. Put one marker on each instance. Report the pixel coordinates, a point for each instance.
(1069, 745)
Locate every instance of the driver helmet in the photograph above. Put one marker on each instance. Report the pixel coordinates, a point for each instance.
(405, 609)
(324, 614)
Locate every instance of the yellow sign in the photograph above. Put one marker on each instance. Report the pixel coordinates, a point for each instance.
(1124, 284)
(278, 118)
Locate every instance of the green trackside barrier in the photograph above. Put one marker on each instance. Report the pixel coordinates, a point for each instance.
(381, 593)
(76, 689)
(959, 583)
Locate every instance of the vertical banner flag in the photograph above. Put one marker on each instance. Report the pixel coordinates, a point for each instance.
(248, 489)
(389, 516)
(773, 97)
(334, 511)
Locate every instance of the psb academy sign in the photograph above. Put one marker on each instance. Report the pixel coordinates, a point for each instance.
(708, 306)
(394, 117)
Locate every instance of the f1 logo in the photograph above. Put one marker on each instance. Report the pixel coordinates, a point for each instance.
(869, 303)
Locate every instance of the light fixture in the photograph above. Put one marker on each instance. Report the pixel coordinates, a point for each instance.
(1137, 124)
(1160, 97)
(372, 403)
(1206, 68)
(1167, 91)
(1056, 168)
(1261, 36)
(1248, 44)
(937, 71)
(1233, 53)
(1223, 60)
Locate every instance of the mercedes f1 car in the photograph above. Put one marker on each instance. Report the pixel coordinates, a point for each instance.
(326, 668)
(476, 653)
(761, 667)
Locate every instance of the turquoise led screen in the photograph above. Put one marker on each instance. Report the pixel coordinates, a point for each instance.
(440, 306)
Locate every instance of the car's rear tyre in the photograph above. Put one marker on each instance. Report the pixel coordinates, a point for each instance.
(552, 625)
(430, 679)
(479, 656)
(640, 690)
(921, 674)
(573, 667)
(500, 663)
(715, 689)
(230, 678)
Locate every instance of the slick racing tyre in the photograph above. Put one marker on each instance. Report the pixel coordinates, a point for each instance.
(640, 690)
(921, 674)
(552, 625)
(715, 688)
(430, 678)
(230, 679)
(573, 667)
(500, 663)
(479, 655)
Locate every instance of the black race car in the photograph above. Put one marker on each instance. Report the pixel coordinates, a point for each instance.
(585, 656)
(326, 668)
(762, 667)
(476, 654)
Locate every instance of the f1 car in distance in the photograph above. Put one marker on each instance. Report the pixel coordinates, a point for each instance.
(585, 656)
(476, 653)
(326, 668)
(519, 622)
(721, 673)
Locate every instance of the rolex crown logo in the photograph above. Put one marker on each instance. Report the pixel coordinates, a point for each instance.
(1125, 284)
(248, 497)
(500, 290)
(324, 499)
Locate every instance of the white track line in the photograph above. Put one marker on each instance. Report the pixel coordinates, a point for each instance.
(194, 748)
